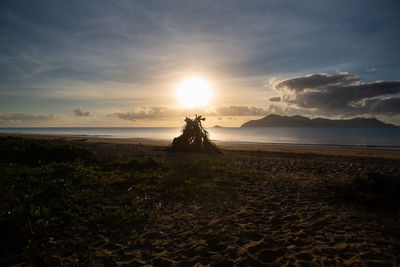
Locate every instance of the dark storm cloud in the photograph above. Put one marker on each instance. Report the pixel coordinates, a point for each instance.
(341, 93)
(388, 106)
(318, 80)
(79, 113)
(25, 117)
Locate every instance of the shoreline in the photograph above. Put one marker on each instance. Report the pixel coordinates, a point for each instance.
(235, 146)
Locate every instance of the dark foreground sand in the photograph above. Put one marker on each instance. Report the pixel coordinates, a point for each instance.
(282, 217)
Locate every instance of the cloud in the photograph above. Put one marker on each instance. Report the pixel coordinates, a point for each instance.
(79, 113)
(48, 45)
(155, 113)
(275, 99)
(316, 81)
(163, 112)
(134, 115)
(25, 117)
(341, 94)
(389, 106)
(241, 111)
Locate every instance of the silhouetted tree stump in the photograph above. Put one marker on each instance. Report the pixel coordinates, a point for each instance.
(194, 138)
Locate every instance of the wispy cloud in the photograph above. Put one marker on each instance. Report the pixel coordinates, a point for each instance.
(25, 117)
(157, 113)
(117, 52)
(164, 112)
(241, 111)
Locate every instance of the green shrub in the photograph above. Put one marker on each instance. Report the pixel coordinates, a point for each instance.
(31, 151)
(373, 190)
(45, 186)
(36, 199)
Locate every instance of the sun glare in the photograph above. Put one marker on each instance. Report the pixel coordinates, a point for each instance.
(194, 92)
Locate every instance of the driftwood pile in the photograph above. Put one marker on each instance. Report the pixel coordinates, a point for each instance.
(194, 138)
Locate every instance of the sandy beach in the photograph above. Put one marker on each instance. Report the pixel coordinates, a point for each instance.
(283, 211)
(319, 150)
(199, 133)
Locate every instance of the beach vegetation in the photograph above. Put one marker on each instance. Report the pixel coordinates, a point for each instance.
(373, 190)
(49, 188)
(34, 151)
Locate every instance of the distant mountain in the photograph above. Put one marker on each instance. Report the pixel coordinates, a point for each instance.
(300, 121)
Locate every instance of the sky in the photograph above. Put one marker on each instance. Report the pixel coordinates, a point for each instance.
(119, 63)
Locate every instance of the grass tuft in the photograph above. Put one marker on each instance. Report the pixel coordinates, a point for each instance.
(373, 190)
(32, 151)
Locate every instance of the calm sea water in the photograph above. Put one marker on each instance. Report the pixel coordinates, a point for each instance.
(354, 137)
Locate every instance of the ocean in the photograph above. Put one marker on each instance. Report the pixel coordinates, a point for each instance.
(388, 138)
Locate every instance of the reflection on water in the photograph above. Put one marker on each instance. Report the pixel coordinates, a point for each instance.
(372, 137)
(318, 136)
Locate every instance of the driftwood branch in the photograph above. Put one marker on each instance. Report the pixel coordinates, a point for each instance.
(194, 138)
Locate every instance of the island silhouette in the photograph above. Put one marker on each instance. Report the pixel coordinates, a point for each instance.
(274, 120)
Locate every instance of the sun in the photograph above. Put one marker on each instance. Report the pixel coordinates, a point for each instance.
(194, 92)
